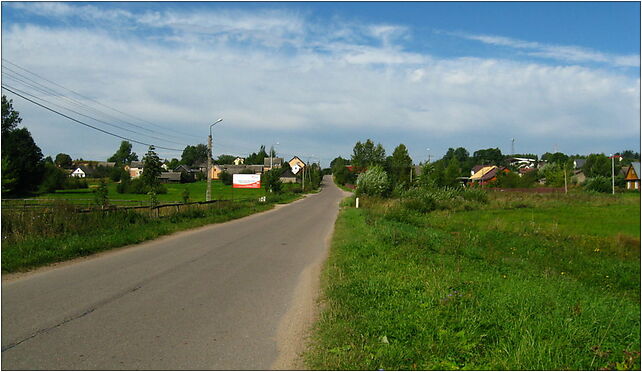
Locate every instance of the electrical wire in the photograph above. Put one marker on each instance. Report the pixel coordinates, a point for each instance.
(99, 103)
(85, 124)
(90, 117)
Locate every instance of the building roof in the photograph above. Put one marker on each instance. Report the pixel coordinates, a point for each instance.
(170, 176)
(486, 173)
(579, 163)
(86, 169)
(136, 164)
(636, 168)
(275, 161)
(106, 163)
(236, 169)
(288, 173)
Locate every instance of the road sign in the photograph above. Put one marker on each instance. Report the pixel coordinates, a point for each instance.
(246, 181)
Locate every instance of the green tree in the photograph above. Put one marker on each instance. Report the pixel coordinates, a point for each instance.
(257, 158)
(22, 157)
(101, 198)
(63, 160)
(10, 117)
(491, 156)
(339, 171)
(225, 159)
(432, 175)
(151, 169)
(124, 154)
(399, 166)
(367, 154)
(597, 165)
(451, 173)
(194, 155)
(373, 182)
(558, 158)
(54, 178)
(272, 180)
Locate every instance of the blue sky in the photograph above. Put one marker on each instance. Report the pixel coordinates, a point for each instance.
(317, 77)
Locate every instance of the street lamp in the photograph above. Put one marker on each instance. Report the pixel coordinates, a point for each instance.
(428, 154)
(272, 153)
(208, 193)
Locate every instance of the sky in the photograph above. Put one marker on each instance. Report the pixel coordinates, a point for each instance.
(317, 77)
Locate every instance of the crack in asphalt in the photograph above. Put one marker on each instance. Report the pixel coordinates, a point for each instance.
(72, 318)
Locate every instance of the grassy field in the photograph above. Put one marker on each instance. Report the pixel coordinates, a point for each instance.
(174, 192)
(526, 282)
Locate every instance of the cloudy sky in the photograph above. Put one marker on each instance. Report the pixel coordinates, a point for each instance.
(317, 77)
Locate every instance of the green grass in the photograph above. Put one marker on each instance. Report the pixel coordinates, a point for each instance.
(174, 192)
(525, 283)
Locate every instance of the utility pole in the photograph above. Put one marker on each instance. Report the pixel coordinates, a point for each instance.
(208, 193)
(613, 172)
(512, 146)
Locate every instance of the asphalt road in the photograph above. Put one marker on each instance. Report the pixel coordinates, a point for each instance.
(210, 298)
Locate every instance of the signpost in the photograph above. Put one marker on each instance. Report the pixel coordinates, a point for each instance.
(246, 181)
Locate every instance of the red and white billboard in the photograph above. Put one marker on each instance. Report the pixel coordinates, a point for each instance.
(246, 181)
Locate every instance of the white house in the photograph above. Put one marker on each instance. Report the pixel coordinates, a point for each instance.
(83, 171)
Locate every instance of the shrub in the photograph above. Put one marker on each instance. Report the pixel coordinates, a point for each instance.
(598, 184)
(226, 178)
(373, 182)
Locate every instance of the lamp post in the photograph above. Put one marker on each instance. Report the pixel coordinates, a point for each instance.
(271, 153)
(428, 149)
(208, 193)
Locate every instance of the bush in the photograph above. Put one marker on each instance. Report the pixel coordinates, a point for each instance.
(426, 200)
(598, 184)
(373, 182)
(226, 178)
(137, 186)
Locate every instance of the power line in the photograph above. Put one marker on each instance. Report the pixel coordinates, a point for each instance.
(85, 124)
(99, 103)
(47, 90)
(90, 117)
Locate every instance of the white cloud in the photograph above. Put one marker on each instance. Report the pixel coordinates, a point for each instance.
(322, 95)
(558, 52)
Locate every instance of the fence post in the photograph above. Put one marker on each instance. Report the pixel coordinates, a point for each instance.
(357, 202)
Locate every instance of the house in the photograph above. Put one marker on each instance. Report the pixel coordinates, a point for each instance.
(296, 165)
(579, 163)
(632, 177)
(487, 174)
(183, 168)
(109, 164)
(237, 169)
(83, 171)
(269, 163)
(523, 171)
(239, 161)
(522, 162)
(288, 176)
(170, 177)
(200, 167)
(578, 176)
(135, 169)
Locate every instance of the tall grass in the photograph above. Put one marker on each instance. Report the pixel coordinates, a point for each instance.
(483, 288)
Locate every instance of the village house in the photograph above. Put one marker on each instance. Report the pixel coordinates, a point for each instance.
(486, 174)
(632, 177)
(296, 165)
(135, 169)
(239, 161)
(288, 176)
(83, 171)
(269, 163)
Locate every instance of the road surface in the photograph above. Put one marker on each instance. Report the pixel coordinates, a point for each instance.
(224, 296)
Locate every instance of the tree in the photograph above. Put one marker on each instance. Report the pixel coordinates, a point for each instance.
(272, 180)
(451, 172)
(339, 171)
(194, 155)
(151, 169)
(172, 164)
(124, 154)
(367, 154)
(373, 182)
(10, 117)
(257, 158)
(22, 157)
(557, 158)
(63, 161)
(54, 178)
(597, 165)
(225, 159)
(489, 156)
(399, 166)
